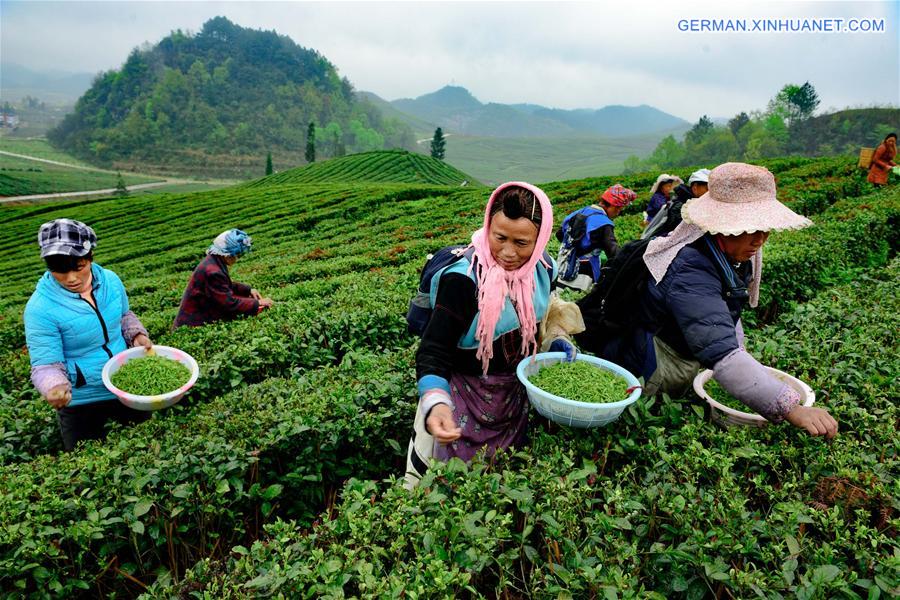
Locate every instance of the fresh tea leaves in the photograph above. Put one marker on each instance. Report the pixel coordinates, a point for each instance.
(718, 393)
(151, 376)
(581, 381)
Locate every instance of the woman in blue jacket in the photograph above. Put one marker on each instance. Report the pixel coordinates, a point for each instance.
(77, 319)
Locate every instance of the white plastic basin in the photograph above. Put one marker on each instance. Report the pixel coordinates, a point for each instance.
(150, 402)
(572, 412)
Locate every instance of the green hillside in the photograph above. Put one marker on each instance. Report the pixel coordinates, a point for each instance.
(220, 97)
(276, 476)
(388, 166)
(844, 131)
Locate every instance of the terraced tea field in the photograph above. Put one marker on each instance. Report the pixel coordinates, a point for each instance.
(277, 475)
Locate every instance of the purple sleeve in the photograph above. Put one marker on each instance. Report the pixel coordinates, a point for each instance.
(131, 327)
(744, 378)
(47, 377)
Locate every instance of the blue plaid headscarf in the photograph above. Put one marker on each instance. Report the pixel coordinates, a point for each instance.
(233, 242)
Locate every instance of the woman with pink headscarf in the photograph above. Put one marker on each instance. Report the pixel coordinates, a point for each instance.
(487, 311)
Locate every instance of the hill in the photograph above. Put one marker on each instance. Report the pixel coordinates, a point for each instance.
(387, 166)
(844, 131)
(223, 94)
(244, 488)
(456, 110)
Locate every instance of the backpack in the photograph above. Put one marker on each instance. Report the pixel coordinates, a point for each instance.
(609, 308)
(420, 308)
(572, 232)
(665, 221)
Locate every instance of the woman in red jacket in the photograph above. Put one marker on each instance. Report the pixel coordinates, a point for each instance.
(883, 160)
(211, 295)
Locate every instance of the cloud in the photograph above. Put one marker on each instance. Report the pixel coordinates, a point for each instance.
(566, 55)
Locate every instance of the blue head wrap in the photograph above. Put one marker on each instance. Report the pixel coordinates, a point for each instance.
(233, 242)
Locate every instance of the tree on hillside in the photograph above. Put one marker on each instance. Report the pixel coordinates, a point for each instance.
(631, 165)
(668, 153)
(121, 188)
(794, 103)
(807, 100)
(311, 143)
(438, 144)
(269, 163)
(737, 122)
(699, 131)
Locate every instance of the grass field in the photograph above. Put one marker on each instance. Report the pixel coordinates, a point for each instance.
(276, 476)
(21, 177)
(38, 148)
(494, 160)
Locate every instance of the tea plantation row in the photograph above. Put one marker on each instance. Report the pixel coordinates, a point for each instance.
(295, 401)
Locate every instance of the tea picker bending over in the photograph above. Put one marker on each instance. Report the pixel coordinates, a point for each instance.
(698, 279)
(487, 309)
(587, 232)
(77, 319)
(211, 295)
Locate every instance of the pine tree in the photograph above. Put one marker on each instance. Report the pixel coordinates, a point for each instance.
(269, 163)
(438, 143)
(311, 143)
(121, 188)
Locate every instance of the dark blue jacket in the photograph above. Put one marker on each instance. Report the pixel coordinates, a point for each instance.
(693, 309)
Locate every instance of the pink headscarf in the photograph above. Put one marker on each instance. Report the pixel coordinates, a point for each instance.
(496, 283)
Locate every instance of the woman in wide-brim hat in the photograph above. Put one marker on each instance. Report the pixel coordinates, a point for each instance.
(659, 195)
(700, 278)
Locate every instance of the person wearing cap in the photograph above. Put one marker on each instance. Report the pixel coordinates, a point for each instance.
(670, 215)
(211, 295)
(587, 232)
(699, 279)
(77, 319)
(659, 195)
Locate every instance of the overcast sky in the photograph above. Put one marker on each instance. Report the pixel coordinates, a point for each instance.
(565, 55)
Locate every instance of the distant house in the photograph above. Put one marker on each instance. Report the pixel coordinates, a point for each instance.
(9, 120)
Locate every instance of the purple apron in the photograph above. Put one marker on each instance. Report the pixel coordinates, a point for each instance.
(491, 410)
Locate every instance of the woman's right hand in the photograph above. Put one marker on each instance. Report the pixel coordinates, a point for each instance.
(59, 396)
(441, 425)
(814, 420)
(265, 303)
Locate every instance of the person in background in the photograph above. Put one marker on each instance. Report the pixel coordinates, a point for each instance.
(659, 195)
(211, 295)
(883, 160)
(669, 216)
(587, 232)
(77, 319)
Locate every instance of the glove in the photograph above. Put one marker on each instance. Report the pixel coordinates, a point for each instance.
(563, 345)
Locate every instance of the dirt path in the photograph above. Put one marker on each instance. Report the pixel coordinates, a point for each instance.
(136, 187)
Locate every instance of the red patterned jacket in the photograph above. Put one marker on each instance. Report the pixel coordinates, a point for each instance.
(212, 296)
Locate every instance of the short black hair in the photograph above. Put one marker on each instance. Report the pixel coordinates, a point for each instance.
(517, 202)
(63, 263)
(890, 135)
